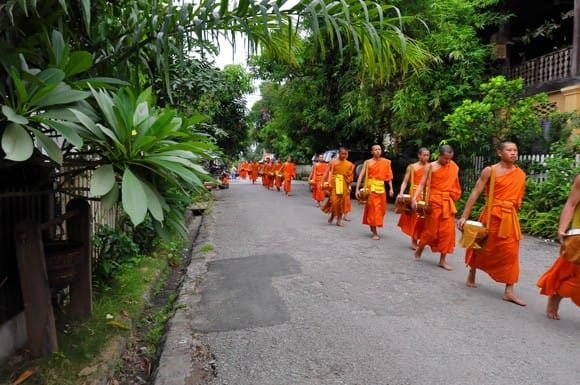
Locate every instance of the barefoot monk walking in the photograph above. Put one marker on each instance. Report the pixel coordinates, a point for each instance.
(500, 256)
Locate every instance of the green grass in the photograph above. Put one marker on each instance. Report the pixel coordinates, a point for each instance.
(83, 343)
(206, 248)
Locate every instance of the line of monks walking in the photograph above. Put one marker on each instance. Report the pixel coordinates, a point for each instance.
(429, 215)
(274, 174)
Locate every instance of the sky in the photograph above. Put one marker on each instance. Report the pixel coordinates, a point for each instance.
(227, 56)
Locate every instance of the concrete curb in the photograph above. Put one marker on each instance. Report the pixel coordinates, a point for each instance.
(185, 359)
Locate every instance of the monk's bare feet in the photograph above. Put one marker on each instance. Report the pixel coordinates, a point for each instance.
(330, 220)
(445, 265)
(514, 299)
(471, 279)
(346, 219)
(376, 237)
(553, 305)
(340, 224)
(418, 252)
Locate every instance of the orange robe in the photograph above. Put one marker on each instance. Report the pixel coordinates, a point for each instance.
(278, 170)
(336, 203)
(244, 170)
(289, 170)
(376, 207)
(317, 172)
(410, 223)
(563, 278)
(255, 167)
(439, 230)
(271, 176)
(500, 257)
(266, 175)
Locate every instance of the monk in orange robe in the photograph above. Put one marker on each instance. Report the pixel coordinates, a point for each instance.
(255, 170)
(441, 185)
(244, 170)
(500, 256)
(315, 178)
(339, 176)
(375, 173)
(271, 175)
(289, 172)
(562, 280)
(410, 222)
(278, 174)
(266, 173)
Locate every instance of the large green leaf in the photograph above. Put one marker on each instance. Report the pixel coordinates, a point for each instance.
(17, 143)
(68, 130)
(62, 94)
(79, 61)
(12, 116)
(102, 180)
(154, 202)
(52, 149)
(57, 46)
(133, 197)
(110, 199)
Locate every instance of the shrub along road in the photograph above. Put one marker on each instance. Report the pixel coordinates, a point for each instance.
(276, 296)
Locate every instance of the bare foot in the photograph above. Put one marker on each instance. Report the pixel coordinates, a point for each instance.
(414, 247)
(376, 237)
(514, 299)
(553, 305)
(339, 224)
(471, 279)
(445, 266)
(346, 219)
(418, 252)
(330, 220)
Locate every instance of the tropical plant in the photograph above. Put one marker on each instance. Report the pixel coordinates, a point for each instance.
(503, 113)
(543, 202)
(144, 152)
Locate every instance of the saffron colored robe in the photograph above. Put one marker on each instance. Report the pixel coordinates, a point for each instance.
(376, 207)
(439, 230)
(410, 223)
(289, 171)
(244, 168)
(500, 256)
(563, 278)
(255, 169)
(266, 175)
(336, 202)
(278, 167)
(317, 172)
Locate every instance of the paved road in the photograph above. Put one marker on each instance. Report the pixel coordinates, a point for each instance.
(286, 299)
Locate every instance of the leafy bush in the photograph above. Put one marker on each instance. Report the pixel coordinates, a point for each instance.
(543, 202)
(114, 251)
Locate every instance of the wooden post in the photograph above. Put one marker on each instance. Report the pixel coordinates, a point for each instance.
(40, 324)
(78, 229)
(575, 60)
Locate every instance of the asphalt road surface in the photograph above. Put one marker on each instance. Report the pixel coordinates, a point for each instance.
(287, 299)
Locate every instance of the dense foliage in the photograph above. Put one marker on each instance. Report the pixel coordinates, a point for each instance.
(328, 101)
